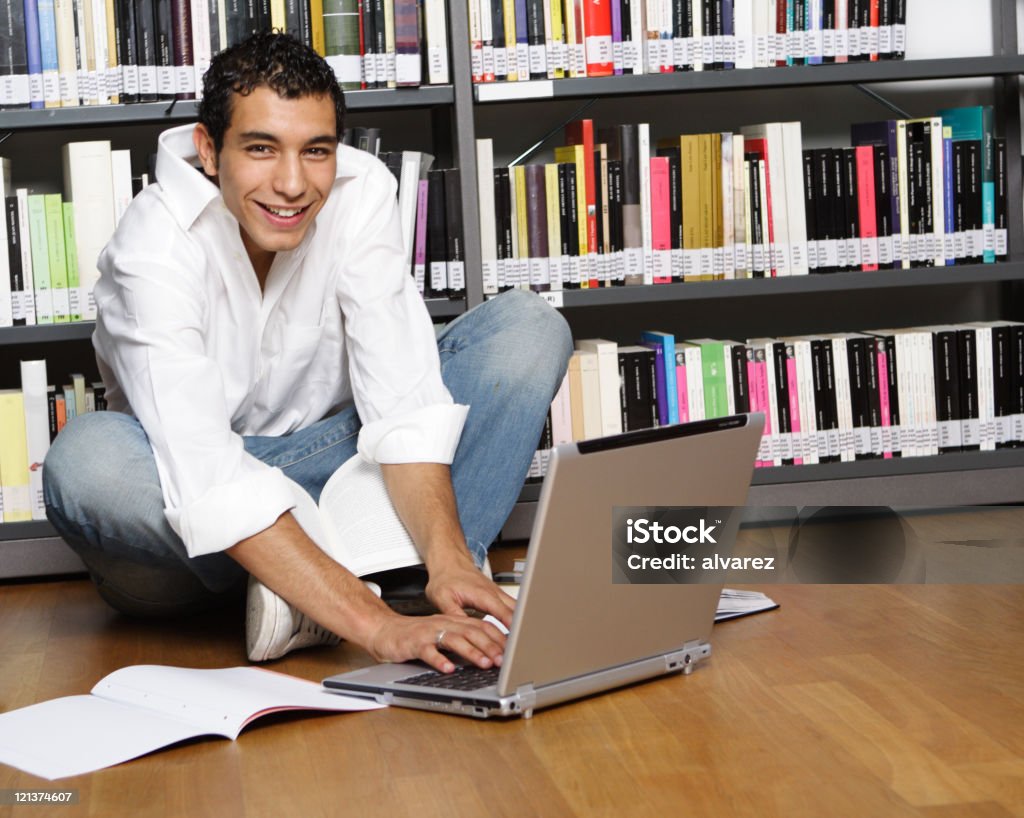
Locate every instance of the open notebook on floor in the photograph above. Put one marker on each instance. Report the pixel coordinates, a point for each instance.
(574, 632)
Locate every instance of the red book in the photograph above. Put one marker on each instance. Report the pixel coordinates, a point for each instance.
(661, 222)
(581, 132)
(597, 25)
(782, 30)
(866, 211)
(760, 147)
(874, 27)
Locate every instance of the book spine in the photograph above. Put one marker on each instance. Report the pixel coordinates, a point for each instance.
(597, 24)
(866, 204)
(1001, 200)
(456, 259)
(407, 45)
(182, 57)
(67, 52)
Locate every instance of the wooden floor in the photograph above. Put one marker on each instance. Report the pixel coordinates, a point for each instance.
(849, 701)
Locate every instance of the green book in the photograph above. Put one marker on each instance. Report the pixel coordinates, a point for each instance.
(40, 258)
(74, 286)
(713, 363)
(57, 258)
(341, 40)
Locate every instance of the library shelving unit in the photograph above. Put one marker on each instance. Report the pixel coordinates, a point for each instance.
(742, 308)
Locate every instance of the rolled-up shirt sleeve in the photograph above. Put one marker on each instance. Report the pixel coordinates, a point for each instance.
(149, 333)
(408, 415)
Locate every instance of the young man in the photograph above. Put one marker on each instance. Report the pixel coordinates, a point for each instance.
(258, 322)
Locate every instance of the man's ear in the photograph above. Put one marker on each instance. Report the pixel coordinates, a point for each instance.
(206, 149)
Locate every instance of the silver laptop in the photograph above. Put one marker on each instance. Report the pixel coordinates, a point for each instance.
(574, 632)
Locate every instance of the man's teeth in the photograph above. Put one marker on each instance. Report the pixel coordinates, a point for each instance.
(277, 211)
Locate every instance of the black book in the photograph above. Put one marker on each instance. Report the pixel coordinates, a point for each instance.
(393, 159)
(960, 200)
(99, 392)
(573, 217)
(498, 39)
(565, 226)
(810, 211)
(535, 36)
(368, 32)
(967, 358)
(502, 225)
(740, 382)
(824, 401)
(945, 356)
(126, 42)
(145, 38)
(615, 217)
(51, 407)
(885, 13)
(237, 20)
(680, 28)
(380, 48)
(262, 15)
(778, 360)
(437, 240)
(14, 259)
(831, 401)
(635, 387)
(828, 24)
(860, 397)
(874, 395)
(824, 220)
(915, 199)
(837, 189)
(756, 224)
(14, 51)
(899, 29)
(851, 228)
(1017, 376)
(456, 243)
(883, 196)
(973, 197)
(858, 12)
(799, 24)
(1001, 178)
(599, 195)
(628, 152)
(1002, 382)
(165, 84)
(214, 17)
(292, 21)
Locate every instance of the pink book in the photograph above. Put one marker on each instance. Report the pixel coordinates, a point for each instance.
(753, 392)
(661, 225)
(419, 258)
(883, 392)
(761, 364)
(681, 389)
(866, 205)
(794, 404)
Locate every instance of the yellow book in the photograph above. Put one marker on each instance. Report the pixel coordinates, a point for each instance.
(707, 204)
(17, 505)
(316, 19)
(522, 226)
(555, 269)
(112, 64)
(718, 221)
(689, 151)
(557, 39)
(389, 42)
(574, 155)
(508, 8)
(278, 15)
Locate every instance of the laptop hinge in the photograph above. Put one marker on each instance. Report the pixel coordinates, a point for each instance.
(526, 697)
(687, 658)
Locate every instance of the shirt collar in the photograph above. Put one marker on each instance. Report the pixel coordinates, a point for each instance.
(187, 190)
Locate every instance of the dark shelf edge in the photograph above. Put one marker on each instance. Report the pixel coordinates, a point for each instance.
(757, 78)
(795, 285)
(33, 530)
(864, 469)
(185, 111)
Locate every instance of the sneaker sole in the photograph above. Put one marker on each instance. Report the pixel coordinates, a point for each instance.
(264, 623)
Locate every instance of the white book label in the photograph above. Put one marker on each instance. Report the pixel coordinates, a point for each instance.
(500, 62)
(523, 61)
(347, 68)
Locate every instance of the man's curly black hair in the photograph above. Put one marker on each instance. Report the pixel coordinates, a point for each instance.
(277, 61)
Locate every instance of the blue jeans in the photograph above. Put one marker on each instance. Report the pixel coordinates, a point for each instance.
(504, 359)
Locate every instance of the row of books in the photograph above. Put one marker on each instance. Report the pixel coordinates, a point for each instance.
(30, 419)
(908, 193)
(49, 271)
(828, 398)
(516, 40)
(430, 206)
(65, 53)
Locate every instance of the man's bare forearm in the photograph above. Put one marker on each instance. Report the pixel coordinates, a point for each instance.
(288, 562)
(424, 499)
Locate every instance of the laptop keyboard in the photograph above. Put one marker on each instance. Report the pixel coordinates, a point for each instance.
(464, 678)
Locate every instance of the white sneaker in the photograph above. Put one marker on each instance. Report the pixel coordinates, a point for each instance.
(273, 627)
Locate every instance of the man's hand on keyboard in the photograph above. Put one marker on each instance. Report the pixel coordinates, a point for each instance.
(404, 638)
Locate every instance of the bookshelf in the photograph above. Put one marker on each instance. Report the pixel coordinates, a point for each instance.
(927, 295)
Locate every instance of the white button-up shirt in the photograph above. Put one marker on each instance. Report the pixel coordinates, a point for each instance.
(187, 343)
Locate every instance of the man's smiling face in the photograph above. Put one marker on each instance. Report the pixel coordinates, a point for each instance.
(276, 168)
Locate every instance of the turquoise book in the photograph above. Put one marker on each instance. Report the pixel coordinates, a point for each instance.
(977, 123)
(667, 342)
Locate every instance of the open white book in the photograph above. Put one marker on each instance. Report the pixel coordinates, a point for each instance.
(355, 522)
(139, 709)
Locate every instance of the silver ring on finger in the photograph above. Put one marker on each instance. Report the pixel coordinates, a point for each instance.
(440, 638)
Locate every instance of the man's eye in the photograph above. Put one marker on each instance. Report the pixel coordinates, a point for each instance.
(318, 152)
(258, 149)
